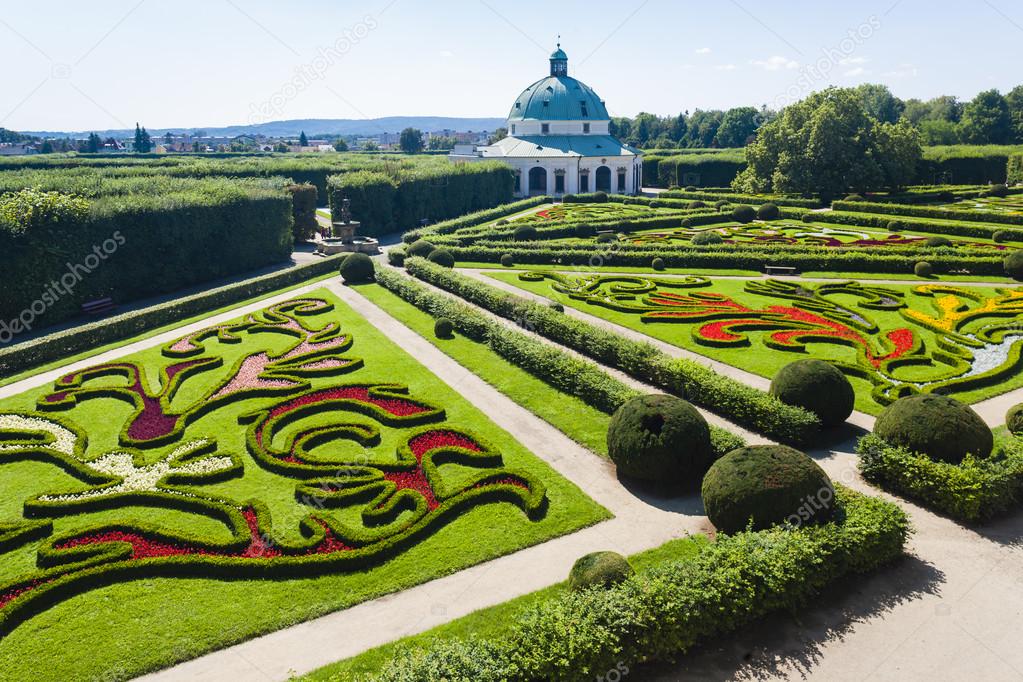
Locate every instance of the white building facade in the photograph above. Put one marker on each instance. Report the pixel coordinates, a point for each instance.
(559, 141)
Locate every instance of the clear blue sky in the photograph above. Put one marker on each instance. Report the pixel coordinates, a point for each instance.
(105, 64)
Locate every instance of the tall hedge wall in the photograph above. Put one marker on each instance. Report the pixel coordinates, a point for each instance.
(1015, 169)
(699, 170)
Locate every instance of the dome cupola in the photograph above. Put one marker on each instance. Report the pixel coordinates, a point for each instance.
(559, 97)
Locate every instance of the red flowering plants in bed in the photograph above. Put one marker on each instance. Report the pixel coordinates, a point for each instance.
(294, 393)
(962, 339)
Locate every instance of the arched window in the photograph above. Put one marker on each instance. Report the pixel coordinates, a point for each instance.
(603, 179)
(538, 180)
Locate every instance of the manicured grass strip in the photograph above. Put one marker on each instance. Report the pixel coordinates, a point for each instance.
(495, 622)
(571, 415)
(699, 384)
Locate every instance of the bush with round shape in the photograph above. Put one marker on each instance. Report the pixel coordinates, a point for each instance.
(606, 238)
(1014, 420)
(356, 267)
(442, 257)
(690, 188)
(657, 264)
(660, 438)
(525, 233)
(855, 197)
(507, 260)
(687, 222)
(1000, 191)
(652, 204)
(443, 328)
(584, 231)
(502, 222)
(1002, 236)
(556, 306)
(600, 197)
(768, 212)
(937, 426)
(707, 239)
(923, 269)
(1014, 265)
(895, 226)
(721, 204)
(599, 569)
(420, 249)
(808, 218)
(937, 242)
(698, 204)
(744, 214)
(817, 386)
(766, 485)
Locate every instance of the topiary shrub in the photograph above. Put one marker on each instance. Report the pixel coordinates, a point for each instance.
(507, 260)
(606, 238)
(690, 188)
(356, 267)
(744, 214)
(1014, 265)
(600, 197)
(697, 204)
(707, 239)
(1000, 191)
(420, 249)
(768, 212)
(657, 264)
(502, 222)
(660, 438)
(923, 269)
(687, 222)
(943, 429)
(895, 226)
(556, 306)
(807, 218)
(599, 569)
(584, 231)
(769, 484)
(721, 204)
(855, 197)
(937, 242)
(1002, 236)
(443, 328)
(653, 204)
(525, 233)
(1014, 420)
(817, 386)
(442, 257)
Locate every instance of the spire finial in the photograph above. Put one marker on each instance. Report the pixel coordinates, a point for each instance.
(559, 41)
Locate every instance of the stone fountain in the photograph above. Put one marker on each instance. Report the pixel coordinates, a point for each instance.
(342, 237)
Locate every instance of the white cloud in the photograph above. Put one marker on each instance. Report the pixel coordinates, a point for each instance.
(703, 50)
(852, 73)
(775, 63)
(726, 67)
(904, 71)
(853, 61)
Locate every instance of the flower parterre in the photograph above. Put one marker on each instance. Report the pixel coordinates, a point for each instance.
(297, 432)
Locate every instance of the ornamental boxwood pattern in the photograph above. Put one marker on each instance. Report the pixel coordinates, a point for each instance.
(978, 337)
(293, 429)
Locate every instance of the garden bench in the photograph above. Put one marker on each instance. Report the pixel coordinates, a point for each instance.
(98, 307)
(780, 270)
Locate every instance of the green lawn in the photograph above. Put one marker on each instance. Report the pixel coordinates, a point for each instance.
(575, 418)
(490, 623)
(760, 359)
(122, 630)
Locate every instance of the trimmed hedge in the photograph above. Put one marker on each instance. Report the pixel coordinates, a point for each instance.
(303, 210)
(25, 356)
(974, 490)
(699, 384)
(1015, 169)
(817, 386)
(356, 268)
(473, 219)
(661, 439)
(928, 212)
(599, 569)
(936, 426)
(665, 611)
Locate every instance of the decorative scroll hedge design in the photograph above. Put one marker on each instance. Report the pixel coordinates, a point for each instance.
(979, 340)
(298, 434)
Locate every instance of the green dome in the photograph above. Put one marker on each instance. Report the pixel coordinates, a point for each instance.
(559, 97)
(559, 54)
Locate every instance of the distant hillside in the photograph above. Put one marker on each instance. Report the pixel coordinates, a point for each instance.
(312, 126)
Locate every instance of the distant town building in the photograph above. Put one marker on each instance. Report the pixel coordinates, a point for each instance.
(559, 141)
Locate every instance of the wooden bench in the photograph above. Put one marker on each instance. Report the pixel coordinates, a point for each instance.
(780, 270)
(98, 307)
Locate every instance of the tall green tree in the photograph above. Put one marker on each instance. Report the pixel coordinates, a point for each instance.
(143, 143)
(303, 141)
(738, 126)
(880, 103)
(411, 141)
(1015, 101)
(340, 145)
(986, 120)
(829, 145)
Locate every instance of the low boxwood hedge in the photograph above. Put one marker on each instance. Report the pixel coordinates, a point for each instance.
(976, 489)
(929, 212)
(666, 610)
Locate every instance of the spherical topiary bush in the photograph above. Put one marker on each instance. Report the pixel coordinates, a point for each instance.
(1014, 265)
(855, 197)
(937, 242)
(690, 188)
(1002, 236)
(936, 426)
(653, 204)
(721, 204)
(442, 257)
(769, 484)
(443, 328)
(525, 233)
(600, 569)
(687, 222)
(744, 214)
(768, 212)
(660, 438)
(356, 267)
(507, 260)
(816, 386)
(420, 249)
(600, 197)
(808, 218)
(606, 238)
(707, 239)
(698, 204)
(556, 306)
(657, 264)
(895, 226)
(584, 231)
(502, 221)
(1000, 191)
(923, 269)
(1014, 420)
